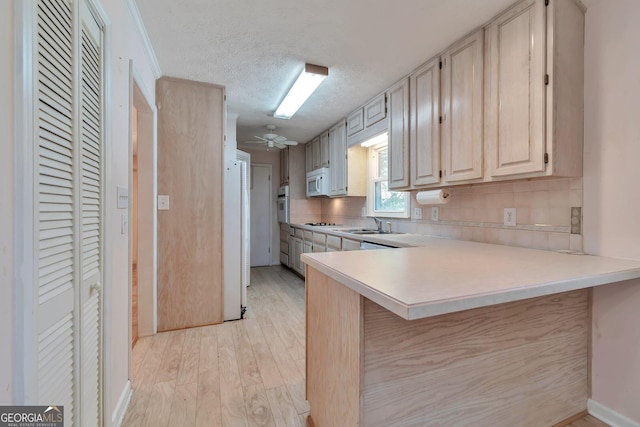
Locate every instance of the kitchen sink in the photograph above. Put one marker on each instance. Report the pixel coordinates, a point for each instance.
(365, 231)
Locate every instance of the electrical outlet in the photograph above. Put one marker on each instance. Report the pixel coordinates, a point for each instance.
(510, 217)
(435, 213)
(576, 220)
(417, 213)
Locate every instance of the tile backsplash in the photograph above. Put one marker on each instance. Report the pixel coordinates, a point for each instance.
(475, 212)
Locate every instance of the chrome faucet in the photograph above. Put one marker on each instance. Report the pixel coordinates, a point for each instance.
(378, 223)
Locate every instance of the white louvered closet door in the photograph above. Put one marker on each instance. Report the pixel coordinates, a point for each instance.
(68, 204)
(90, 214)
(55, 207)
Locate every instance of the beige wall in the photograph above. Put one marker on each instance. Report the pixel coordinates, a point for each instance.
(611, 202)
(6, 203)
(271, 157)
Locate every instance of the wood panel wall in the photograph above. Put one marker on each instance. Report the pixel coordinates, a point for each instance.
(334, 352)
(190, 171)
(516, 364)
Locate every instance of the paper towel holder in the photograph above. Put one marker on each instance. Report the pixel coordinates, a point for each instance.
(433, 197)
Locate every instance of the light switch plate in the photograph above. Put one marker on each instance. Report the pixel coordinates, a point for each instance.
(510, 217)
(435, 213)
(417, 213)
(163, 203)
(123, 197)
(124, 223)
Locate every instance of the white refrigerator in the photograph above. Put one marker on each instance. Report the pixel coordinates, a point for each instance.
(236, 235)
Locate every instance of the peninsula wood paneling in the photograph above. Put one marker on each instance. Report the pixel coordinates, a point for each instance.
(190, 171)
(334, 321)
(521, 363)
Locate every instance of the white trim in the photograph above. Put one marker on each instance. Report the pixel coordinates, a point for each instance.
(25, 336)
(609, 416)
(123, 403)
(144, 36)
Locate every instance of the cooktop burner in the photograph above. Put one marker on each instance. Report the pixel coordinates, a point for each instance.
(320, 224)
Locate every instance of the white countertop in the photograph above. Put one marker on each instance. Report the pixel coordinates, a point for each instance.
(442, 276)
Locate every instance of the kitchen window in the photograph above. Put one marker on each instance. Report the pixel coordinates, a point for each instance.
(380, 200)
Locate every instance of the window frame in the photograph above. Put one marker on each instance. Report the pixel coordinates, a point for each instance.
(373, 178)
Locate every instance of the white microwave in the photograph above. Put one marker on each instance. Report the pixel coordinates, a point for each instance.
(318, 183)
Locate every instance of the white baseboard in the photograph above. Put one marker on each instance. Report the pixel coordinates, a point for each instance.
(609, 416)
(121, 407)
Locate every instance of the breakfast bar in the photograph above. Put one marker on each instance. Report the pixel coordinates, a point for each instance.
(451, 333)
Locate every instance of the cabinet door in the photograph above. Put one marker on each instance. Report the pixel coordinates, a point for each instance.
(315, 154)
(375, 110)
(425, 128)
(307, 247)
(324, 150)
(284, 166)
(308, 148)
(515, 90)
(355, 122)
(338, 159)
(462, 102)
(398, 97)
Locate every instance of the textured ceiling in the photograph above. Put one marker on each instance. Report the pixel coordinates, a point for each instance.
(256, 48)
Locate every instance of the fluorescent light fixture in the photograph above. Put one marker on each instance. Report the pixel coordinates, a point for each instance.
(307, 82)
(380, 139)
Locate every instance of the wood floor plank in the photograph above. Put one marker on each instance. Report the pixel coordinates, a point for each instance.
(297, 393)
(208, 407)
(231, 393)
(183, 405)
(247, 364)
(138, 406)
(284, 411)
(159, 405)
(257, 407)
(148, 369)
(188, 372)
(254, 332)
(208, 359)
(269, 372)
(172, 357)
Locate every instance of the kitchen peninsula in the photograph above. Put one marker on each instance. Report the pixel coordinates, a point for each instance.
(451, 333)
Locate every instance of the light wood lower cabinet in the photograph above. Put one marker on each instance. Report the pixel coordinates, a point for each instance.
(519, 363)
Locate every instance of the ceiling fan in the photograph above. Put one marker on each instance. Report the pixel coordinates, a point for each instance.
(271, 139)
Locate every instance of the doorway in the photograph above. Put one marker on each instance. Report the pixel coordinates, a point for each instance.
(142, 210)
(261, 208)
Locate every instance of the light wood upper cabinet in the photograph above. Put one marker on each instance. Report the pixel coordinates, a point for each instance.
(338, 159)
(315, 154)
(375, 110)
(425, 129)
(462, 105)
(284, 166)
(355, 122)
(324, 149)
(515, 102)
(534, 90)
(308, 151)
(398, 99)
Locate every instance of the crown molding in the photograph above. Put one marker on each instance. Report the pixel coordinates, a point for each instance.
(144, 36)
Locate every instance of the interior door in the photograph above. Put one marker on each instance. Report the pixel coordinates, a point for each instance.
(261, 207)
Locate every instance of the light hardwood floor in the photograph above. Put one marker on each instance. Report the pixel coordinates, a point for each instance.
(243, 373)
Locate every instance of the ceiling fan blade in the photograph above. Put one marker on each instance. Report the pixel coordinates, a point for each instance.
(279, 145)
(289, 142)
(253, 142)
(260, 138)
(279, 139)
